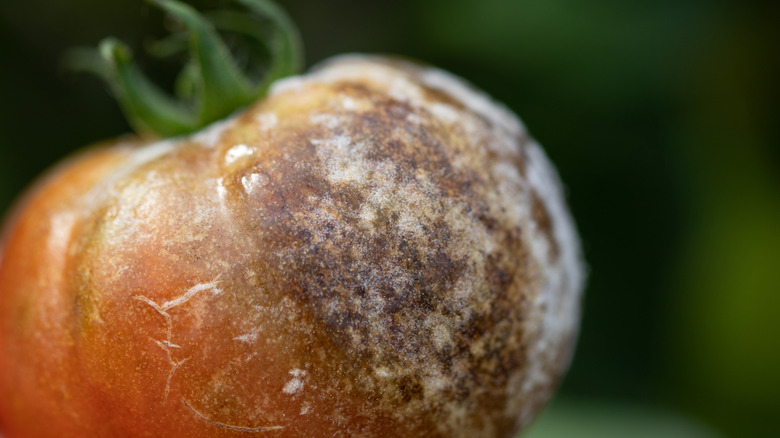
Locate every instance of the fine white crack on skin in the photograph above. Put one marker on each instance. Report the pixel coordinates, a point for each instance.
(191, 292)
(166, 346)
(168, 343)
(229, 426)
(175, 366)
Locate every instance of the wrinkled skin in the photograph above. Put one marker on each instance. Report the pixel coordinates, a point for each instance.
(374, 250)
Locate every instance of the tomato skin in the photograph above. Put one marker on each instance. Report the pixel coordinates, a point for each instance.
(367, 252)
(35, 341)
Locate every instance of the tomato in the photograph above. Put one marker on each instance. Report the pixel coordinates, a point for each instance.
(374, 249)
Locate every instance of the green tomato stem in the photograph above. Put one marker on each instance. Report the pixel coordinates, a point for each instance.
(211, 86)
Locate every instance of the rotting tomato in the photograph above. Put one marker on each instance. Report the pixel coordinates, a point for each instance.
(373, 249)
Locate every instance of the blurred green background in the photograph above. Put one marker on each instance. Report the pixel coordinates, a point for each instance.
(662, 117)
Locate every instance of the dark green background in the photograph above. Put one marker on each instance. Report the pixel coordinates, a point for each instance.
(662, 118)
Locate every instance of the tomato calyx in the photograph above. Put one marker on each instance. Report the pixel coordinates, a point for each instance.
(211, 85)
